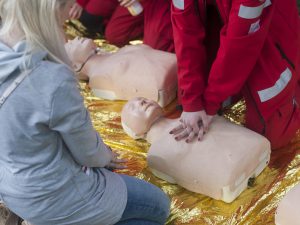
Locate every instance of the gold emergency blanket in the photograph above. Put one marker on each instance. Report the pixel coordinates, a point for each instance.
(256, 205)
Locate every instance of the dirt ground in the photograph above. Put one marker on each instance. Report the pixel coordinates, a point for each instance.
(3, 214)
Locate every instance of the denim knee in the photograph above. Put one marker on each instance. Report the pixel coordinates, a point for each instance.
(165, 207)
(145, 201)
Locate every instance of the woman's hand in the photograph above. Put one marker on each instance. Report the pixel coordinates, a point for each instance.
(75, 12)
(116, 163)
(192, 125)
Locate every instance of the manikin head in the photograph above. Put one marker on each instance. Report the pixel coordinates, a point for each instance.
(79, 50)
(138, 115)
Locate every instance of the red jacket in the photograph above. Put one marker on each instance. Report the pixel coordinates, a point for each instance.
(82, 2)
(258, 53)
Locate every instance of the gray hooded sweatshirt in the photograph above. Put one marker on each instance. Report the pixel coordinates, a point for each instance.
(46, 137)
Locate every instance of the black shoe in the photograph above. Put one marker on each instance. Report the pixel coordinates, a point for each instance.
(92, 23)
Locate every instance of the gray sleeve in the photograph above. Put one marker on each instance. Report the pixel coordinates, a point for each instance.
(71, 120)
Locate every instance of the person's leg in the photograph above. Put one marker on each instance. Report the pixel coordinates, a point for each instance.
(137, 222)
(123, 27)
(281, 127)
(158, 32)
(96, 14)
(91, 22)
(104, 8)
(146, 203)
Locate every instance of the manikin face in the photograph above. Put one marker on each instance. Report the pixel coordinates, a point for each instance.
(139, 114)
(79, 49)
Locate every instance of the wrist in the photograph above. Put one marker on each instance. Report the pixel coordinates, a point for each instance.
(211, 109)
(192, 107)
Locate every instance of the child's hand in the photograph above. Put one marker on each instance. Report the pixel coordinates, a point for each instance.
(75, 11)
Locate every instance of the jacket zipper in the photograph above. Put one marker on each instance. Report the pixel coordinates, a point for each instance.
(262, 121)
(219, 12)
(284, 56)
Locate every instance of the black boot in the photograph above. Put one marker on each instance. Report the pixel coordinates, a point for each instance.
(92, 23)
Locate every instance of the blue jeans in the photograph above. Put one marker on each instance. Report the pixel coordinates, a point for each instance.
(146, 204)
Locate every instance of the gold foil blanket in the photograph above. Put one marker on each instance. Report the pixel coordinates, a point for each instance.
(255, 206)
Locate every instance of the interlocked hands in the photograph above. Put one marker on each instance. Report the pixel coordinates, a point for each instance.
(192, 125)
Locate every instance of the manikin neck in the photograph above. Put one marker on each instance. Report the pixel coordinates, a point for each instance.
(161, 125)
(90, 67)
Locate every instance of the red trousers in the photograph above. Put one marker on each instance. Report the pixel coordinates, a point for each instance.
(281, 127)
(104, 8)
(121, 27)
(158, 32)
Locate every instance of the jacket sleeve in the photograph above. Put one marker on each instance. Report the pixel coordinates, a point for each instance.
(189, 33)
(241, 42)
(82, 3)
(71, 120)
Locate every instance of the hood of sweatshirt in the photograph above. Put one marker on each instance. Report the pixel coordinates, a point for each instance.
(13, 58)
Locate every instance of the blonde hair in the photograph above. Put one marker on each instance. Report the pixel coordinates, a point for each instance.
(39, 22)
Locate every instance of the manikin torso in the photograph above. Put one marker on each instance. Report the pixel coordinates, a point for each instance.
(287, 212)
(134, 71)
(218, 166)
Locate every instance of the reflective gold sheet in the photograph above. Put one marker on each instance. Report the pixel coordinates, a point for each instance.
(256, 205)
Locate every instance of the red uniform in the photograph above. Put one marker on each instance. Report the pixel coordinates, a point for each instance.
(120, 26)
(154, 24)
(257, 55)
(158, 31)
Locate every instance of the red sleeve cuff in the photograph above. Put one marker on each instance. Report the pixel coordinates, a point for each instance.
(212, 109)
(194, 107)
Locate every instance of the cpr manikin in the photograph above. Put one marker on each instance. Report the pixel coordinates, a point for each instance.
(218, 166)
(287, 212)
(130, 72)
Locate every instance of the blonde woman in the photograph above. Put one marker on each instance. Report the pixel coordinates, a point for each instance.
(52, 161)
